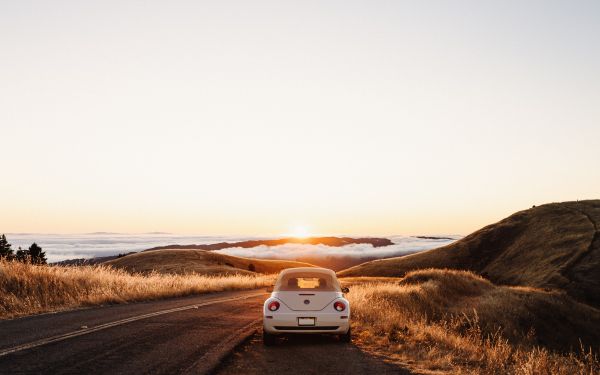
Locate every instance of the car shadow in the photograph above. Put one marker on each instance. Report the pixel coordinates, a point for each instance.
(305, 354)
(298, 340)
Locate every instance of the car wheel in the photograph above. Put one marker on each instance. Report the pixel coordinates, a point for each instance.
(346, 337)
(268, 339)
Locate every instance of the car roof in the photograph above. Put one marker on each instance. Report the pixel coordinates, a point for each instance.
(307, 269)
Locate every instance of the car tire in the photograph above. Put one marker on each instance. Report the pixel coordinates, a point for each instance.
(346, 337)
(268, 339)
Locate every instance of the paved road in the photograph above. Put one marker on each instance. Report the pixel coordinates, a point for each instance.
(170, 343)
(176, 336)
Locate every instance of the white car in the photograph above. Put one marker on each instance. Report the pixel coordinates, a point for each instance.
(306, 300)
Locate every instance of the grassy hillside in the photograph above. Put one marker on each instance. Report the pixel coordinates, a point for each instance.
(198, 261)
(449, 321)
(30, 289)
(551, 246)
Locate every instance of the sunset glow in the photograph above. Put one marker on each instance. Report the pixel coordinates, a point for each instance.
(363, 118)
(300, 232)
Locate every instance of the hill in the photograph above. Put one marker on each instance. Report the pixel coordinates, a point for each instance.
(186, 261)
(555, 246)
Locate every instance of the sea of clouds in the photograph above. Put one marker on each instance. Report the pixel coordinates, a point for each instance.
(74, 246)
(71, 246)
(402, 245)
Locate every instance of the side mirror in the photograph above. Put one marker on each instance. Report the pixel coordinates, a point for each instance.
(345, 290)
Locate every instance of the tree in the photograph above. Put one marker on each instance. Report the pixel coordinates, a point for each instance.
(251, 267)
(5, 251)
(37, 255)
(23, 255)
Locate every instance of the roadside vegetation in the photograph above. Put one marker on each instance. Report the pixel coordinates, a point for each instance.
(27, 288)
(446, 321)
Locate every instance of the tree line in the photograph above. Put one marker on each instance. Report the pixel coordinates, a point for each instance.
(34, 254)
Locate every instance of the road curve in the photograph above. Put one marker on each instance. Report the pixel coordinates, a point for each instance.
(169, 336)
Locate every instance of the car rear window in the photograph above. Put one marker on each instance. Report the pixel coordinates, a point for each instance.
(307, 282)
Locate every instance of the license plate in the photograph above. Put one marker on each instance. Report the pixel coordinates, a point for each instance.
(306, 321)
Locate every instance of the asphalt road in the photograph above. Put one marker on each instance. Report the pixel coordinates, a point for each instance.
(189, 335)
(181, 341)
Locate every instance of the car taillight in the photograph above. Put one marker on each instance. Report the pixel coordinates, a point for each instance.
(273, 306)
(339, 306)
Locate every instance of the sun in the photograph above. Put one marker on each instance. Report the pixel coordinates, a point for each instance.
(300, 231)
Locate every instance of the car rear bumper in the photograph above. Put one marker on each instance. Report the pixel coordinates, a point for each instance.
(332, 323)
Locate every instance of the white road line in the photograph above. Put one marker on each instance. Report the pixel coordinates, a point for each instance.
(100, 327)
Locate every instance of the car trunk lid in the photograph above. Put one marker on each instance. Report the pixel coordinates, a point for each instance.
(306, 301)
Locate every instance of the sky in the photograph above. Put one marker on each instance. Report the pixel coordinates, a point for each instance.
(274, 117)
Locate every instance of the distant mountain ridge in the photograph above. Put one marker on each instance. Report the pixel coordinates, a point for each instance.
(554, 246)
(328, 241)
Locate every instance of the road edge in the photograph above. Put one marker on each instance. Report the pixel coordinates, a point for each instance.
(209, 362)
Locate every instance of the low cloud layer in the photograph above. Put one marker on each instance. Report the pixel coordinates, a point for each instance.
(402, 245)
(59, 247)
(69, 246)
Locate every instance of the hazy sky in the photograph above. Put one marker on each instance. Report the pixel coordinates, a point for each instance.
(254, 117)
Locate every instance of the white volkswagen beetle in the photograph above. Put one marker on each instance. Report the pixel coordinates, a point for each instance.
(306, 300)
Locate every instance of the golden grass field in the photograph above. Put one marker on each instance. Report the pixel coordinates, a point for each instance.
(444, 321)
(31, 289)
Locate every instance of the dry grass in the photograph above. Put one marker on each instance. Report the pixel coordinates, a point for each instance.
(442, 321)
(29, 289)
